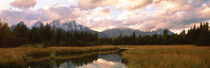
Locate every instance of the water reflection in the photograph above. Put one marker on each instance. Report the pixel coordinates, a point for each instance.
(91, 61)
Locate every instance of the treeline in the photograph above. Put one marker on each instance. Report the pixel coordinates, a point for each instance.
(199, 35)
(45, 34)
(21, 34)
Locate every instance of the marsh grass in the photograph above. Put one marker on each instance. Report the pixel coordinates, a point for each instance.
(175, 56)
(52, 55)
(66, 57)
(17, 57)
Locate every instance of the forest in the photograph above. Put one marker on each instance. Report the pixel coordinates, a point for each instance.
(49, 36)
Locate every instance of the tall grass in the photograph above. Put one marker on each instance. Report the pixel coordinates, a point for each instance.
(175, 56)
(20, 55)
(52, 55)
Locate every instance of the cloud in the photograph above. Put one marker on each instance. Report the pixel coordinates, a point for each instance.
(145, 15)
(45, 15)
(101, 63)
(205, 11)
(132, 4)
(23, 4)
(120, 4)
(171, 14)
(104, 24)
(91, 4)
(13, 16)
(99, 14)
(64, 13)
(103, 11)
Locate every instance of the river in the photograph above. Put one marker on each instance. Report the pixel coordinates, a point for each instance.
(111, 60)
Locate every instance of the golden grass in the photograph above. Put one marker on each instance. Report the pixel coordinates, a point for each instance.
(21, 55)
(70, 56)
(167, 56)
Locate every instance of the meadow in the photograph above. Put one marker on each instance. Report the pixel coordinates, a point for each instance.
(19, 56)
(166, 56)
(136, 56)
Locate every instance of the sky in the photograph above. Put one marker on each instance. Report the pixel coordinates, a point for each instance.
(99, 15)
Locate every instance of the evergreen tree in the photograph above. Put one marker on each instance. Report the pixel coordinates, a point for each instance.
(21, 33)
(133, 37)
(6, 37)
(182, 39)
(46, 33)
(204, 38)
(59, 36)
(35, 35)
(165, 36)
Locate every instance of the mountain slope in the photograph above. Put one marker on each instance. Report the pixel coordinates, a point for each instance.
(37, 24)
(66, 26)
(73, 26)
(121, 31)
(128, 31)
(69, 26)
(13, 26)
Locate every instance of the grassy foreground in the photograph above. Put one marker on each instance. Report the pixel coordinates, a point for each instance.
(20, 55)
(170, 56)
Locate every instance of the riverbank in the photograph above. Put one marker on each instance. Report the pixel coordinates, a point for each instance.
(166, 56)
(17, 57)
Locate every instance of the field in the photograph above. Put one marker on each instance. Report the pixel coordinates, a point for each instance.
(138, 56)
(170, 56)
(17, 57)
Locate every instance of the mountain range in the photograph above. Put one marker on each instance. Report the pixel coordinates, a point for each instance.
(114, 32)
(72, 26)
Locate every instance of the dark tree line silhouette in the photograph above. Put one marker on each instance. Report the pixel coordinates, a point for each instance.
(199, 35)
(45, 34)
(21, 34)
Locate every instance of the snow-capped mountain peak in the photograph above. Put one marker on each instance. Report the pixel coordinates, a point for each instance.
(115, 32)
(37, 24)
(13, 26)
(66, 26)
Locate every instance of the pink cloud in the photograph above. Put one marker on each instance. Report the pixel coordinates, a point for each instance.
(46, 15)
(132, 4)
(172, 14)
(120, 4)
(23, 3)
(91, 4)
(96, 14)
